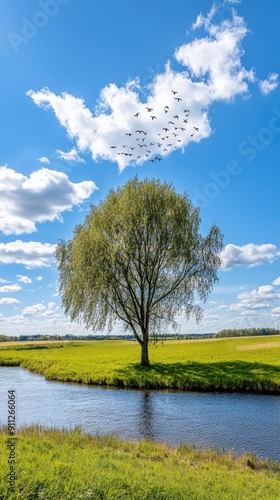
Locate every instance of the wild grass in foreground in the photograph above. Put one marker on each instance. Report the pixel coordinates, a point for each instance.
(64, 465)
(244, 364)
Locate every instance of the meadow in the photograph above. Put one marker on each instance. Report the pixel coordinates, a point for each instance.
(68, 465)
(249, 364)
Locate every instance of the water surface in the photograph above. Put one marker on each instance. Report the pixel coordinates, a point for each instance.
(227, 421)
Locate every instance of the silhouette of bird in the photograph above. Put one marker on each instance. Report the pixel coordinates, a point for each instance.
(137, 114)
(172, 123)
(192, 135)
(166, 110)
(129, 135)
(176, 116)
(179, 140)
(138, 157)
(196, 128)
(165, 149)
(132, 148)
(148, 151)
(153, 117)
(149, 109)
(165, 129)
(166, 107)
(174, 92)
(157, 158)
(152, 143)
(175, 135)
(186, 111)
(113, 147)
(169, 145)
(185, 121)
(178, 98)
(182, 128)
(159, 145)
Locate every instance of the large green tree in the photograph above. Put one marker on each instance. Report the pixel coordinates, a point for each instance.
(138, 258)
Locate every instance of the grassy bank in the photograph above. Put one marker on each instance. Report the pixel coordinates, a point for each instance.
(243, 364)
(56, 465)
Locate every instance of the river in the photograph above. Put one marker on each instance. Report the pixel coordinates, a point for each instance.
(238, 422)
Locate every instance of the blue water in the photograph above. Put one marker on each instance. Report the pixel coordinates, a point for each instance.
(227, 421)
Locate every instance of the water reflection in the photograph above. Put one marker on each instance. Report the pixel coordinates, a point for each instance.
(227, 421)
(146, 415)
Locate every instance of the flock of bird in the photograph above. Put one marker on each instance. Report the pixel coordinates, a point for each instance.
(139, 146)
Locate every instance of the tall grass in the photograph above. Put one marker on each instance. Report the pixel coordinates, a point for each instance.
(69, 465)
(243, 364)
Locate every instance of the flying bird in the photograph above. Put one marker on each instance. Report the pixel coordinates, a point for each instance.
(113, 147)
(166, 107)
(157, 158)
(174, 92)
(196, 128)
(137, 114)
(176, 116)
(165, 129)
(149, 109)
(129, 135)
(178, 98)
(186, 111)
(153, 117)
(185, 121)
(172, 123)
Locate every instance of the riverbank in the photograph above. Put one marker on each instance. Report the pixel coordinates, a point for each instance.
(52, 464)
(233, 365)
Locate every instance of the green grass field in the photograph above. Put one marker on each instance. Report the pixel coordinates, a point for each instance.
(249, 364)
(61, 465)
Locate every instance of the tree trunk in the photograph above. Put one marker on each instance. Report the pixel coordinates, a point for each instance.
(144, 353)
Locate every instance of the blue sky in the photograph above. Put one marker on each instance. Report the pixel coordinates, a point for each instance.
(74, 75)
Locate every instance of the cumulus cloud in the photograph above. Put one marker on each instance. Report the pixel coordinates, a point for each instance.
(249, 255)
(270, 84)
(31, 254)
(8, 300)
(39, 278)
(23, 279)
(10, 288)
(72, 155)
(211, 70)
(276, 282)
(33, 310)
(44, 159)
(41, 197)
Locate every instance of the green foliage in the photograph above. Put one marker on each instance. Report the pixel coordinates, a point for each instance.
(243, 365)
(246, 332)
(68, 465)
(138, 258)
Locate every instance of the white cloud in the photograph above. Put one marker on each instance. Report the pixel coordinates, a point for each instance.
(276, 282)
(31, 254)
(8, 300)
(33, 310)
(38, 198)
(10, 288)
(44, 159)
(270, 84)
(39, 278)
(23, 279)
(4, 281)
(72, 155)
(249, 255)
(211, 71)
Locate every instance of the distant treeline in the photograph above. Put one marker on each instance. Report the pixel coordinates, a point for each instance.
(247, 332)
(32, 338)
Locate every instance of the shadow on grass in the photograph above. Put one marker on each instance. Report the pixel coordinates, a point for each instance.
(230, 376)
